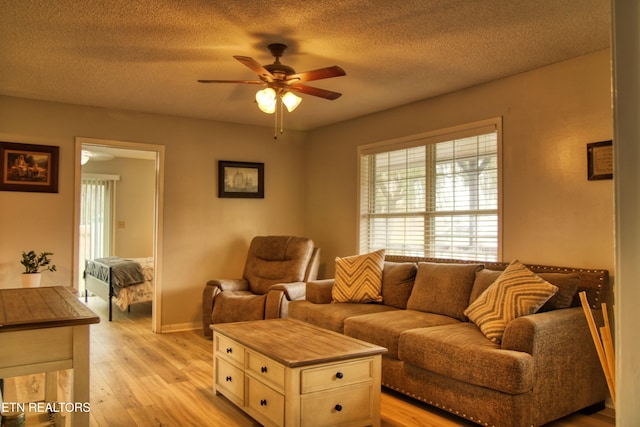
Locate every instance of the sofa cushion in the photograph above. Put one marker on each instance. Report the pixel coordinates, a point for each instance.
(397, 282)
(384, 329)
(443, 288)
(359, 278)
(517, 292)
(461, 351)
(567, 289)
(567, 284)
(332, 316)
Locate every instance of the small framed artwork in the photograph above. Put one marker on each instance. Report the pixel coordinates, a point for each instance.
(600, 160)
(240, 179)
(28, 167)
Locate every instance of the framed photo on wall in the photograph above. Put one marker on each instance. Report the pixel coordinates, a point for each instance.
(240, 179)
(600, 160)
(28, 167)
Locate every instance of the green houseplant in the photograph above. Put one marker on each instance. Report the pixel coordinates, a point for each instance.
(34, 265)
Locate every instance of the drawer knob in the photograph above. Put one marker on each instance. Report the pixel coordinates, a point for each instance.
(228, 379)
(263, 369)
(263, 402)
(338, 408)
(339, 375)
(229, 350)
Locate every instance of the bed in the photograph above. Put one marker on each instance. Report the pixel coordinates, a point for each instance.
(123, 281)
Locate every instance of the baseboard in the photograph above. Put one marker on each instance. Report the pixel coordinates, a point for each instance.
(180, 327)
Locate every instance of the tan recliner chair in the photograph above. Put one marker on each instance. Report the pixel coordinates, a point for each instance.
(276, 272)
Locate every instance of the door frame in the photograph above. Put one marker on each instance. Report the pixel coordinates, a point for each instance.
(156, 316)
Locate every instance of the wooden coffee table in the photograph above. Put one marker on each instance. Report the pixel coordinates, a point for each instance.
(284, 372)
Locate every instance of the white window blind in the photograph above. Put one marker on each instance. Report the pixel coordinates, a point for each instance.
(435, 196)
(97, 203)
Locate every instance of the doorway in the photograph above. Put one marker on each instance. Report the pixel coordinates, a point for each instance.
(85, 149)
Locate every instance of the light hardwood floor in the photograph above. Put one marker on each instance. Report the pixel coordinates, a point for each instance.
(143, 379)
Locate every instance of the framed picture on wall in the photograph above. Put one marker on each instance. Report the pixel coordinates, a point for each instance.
(28, 167)
(600, 160)
(240, 179)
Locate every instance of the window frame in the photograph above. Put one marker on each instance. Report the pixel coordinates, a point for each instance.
(433, 137)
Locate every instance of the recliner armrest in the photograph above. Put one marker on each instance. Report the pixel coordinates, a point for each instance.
(229, 284)
(319, 291)
(279, 296)
(293, 291)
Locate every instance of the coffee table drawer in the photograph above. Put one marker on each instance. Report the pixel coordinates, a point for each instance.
(336, 375)
(265, 401)
(230, 381)
(334, 383)
(345, 406)
(266, 369)
(229, 349)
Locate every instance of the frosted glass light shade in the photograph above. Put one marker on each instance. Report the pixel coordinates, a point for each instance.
(291, 101)
(266, 99)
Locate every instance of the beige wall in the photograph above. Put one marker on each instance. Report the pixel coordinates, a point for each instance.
(135, 204)
(204, 236)
(551, 213)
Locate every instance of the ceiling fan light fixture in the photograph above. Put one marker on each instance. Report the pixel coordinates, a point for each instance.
(266, 99)
(291, 101)
(85, 156)
(279, 79)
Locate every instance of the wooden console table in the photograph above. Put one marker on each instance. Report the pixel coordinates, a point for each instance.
(285, 372)
(44, 330)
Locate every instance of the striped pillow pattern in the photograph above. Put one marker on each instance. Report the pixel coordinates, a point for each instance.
(359, 278)
(516, 292)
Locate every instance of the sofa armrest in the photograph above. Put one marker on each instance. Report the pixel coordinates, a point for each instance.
(292, 291)
(555, 329)
(565, 357)
(319, 291)
(229, 284)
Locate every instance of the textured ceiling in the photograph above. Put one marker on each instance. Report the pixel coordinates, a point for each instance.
(146, 55)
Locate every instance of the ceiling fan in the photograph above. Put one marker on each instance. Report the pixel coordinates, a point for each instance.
(282, 77)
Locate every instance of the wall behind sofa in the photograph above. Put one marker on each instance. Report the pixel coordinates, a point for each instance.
(204, 236)
(551, 213)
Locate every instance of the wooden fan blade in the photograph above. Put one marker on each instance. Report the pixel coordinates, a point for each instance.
(250, 82)
(308, 90)
(321, 73)
(254, 65)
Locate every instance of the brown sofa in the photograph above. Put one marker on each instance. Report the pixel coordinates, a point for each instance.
(545, 367)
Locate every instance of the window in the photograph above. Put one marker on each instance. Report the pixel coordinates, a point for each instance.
(434, 195)
(96, 216)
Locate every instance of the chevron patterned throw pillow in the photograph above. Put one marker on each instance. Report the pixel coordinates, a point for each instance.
(516, 292)
(359, 278)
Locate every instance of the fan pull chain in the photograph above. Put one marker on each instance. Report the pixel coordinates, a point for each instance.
(281, 115)
(275, 124)
(279, 111)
